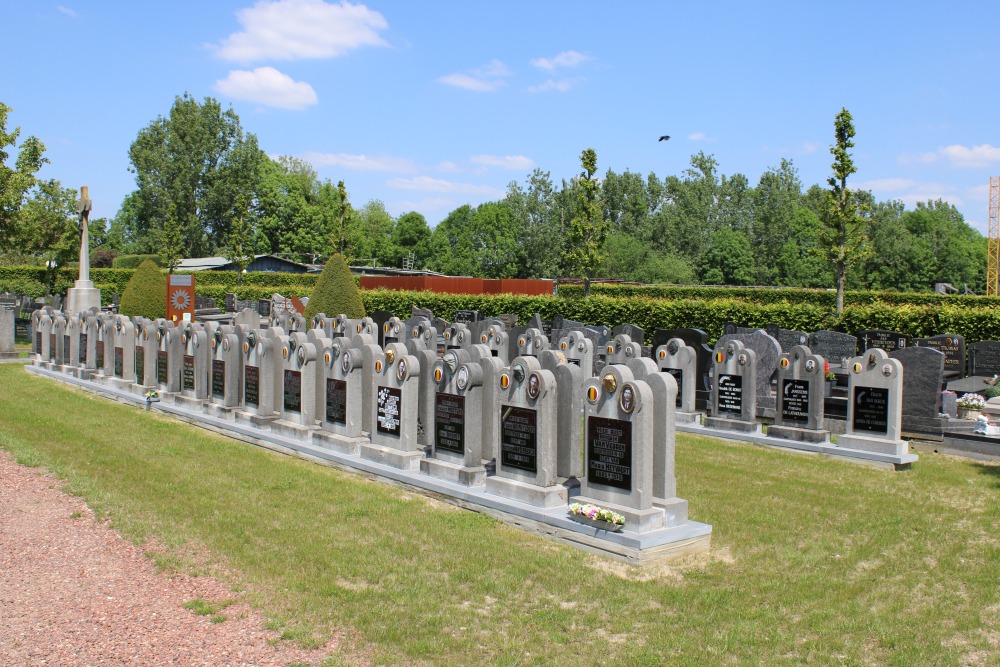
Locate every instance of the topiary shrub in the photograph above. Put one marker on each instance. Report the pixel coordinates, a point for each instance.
(133, 261)
(146, 293)
(335, 292)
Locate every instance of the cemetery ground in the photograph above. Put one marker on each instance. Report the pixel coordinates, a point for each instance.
(813, 560)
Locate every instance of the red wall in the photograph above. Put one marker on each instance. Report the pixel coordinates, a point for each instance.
(449, 285)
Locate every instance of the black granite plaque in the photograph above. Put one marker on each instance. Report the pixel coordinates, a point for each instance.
(161, 366)
(795, 400)
(389, 402)
(65, 356)
(953, 348)
(293, 391)
(187, 373)
(576, 362)
(984, 358)
(119, 362)
(83, 348)
(882, 339)
(336, 401)
(518, 438)
(449, 423)
(264, 307)
(52, 345)
(678, 374)
(219, 378)
(731, 394)
(609, 452)
(230, 302)
(38, 342)
(100, 353)
(871, 409)
(140, 364)
(251, 386)
(467, 316)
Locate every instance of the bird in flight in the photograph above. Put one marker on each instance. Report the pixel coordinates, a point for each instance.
(664, 137)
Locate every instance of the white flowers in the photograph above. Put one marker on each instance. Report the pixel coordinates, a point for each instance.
(595, 513)
(971, 402)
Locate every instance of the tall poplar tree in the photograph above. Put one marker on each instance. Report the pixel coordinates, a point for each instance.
(587, 230)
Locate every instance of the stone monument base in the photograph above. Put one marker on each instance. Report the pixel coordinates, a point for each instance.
(689, 417)
(341, 444)
(394, 458)
(83, 296)
(798, 434)
(220, 411)
(453, 472)
(121, 384)
(293, 429)
(8, 355)
(868, 443)
(675, 509)
(529, 494)
(636, 520)
(732, 424)
(255, 420)
(188, 402)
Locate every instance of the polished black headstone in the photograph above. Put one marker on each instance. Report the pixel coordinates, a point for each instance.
(336, 401)
(953, 348)
(519, 438)
(161, 366)
(389, 406)
(731, 395)
(923, 376)
(119, 362)
(795, 406)
(293, 391)
(187, 373)
(882, 339)
(871, 409)
(449, 423)
(609, 452)
(835, 347)
(218, 378)
(251, 385)
(984, 358)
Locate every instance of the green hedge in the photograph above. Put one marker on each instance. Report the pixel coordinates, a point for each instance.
(710, 316)
(819, 297)
(133, 261)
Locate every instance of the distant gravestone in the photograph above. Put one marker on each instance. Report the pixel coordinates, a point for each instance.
(457, 453)
(766, 351)
(835, 347)
(799, 414)
(953, 348)
(467, 316)
(882, 339)
(698, 341)
(380, 318)
(984, 358)
(680, 361)
(787, 338)
(230, 302)
(7, 334)
(874, 407)
(224, 393)
(416, 311)
(734, 399)
(923, 376)
(635, 332)
(264, 307)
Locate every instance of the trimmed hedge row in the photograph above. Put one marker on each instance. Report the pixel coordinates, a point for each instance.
(819, 297)
(710, 316)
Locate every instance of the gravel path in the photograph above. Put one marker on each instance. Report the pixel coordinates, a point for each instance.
(74, 593)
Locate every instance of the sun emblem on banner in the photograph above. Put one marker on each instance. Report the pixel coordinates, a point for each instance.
(180, 300)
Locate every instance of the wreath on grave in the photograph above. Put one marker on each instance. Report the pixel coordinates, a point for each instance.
(595, 515)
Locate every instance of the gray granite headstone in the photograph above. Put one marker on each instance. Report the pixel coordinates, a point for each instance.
(457, 453)
(734, 399)
(835, 347)
(984, 358)
(787, 338)
(874, 406)
(766, 351)
(799, 414)
(681, 362)
(923, 376)
(633, 331)
(698, 341)
(7, 334)
(578, 350)
(882, 339)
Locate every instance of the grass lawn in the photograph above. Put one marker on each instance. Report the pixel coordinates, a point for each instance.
(814, 561)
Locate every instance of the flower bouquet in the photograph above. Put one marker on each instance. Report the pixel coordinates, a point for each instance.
(152, 396)
(969, 405)
(827, 373)
(599, 517)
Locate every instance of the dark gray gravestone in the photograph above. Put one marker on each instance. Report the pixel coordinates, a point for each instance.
(835, 347)
(636, 333)
(697, 339)
(380, 317)
(882, 339)
(509, 320)
(953, 348)
(421, 312)
(984, 358)
(767, 352)
(230, 302)
(536, 323)
(467, 316)
(923, 375)
(264, 307)
(787, 338)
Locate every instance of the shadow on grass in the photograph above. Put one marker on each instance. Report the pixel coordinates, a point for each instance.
(992, 470)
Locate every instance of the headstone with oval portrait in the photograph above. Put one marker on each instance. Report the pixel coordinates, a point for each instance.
(422, 343)
(458, 336)
(494, 337)
(71, 344)
(799, 415)
(734, 399)
(680, 360)
(393, 436)
(144, 357)
(579, 351)
(340, 407)
(259, 353)
(531, 342)
(124, 352)
(169, 354)
(457, 452)
(36, 336)
(297, 382)
(953, 348)
(88, 345)
(56, 345)
(196, 363)
(618, 448)
(874, 404)
(224, 378)
(323, 322)
(528, 445)
(43, 338)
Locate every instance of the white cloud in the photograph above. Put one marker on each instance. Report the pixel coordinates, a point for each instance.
(428, 184)
(885, 184)
(697, 136)
(428, 207)
(449, 167)
(360, 162)
(66, 10)
(564, 59)
(512, 162)
(910, 192)
(809, 147)
(295, 29)
(962, 157)
(561, 85)
(267, 86)
(483, 79)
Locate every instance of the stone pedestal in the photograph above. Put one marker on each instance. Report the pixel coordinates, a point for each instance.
(454, 472)
(798, 434)
(523, 492)
(392, 457)
(342, 444)
(83, 296)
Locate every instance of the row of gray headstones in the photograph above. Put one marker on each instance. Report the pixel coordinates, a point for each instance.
(456, 416)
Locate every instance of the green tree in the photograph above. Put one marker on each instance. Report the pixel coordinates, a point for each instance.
(537, 213)
(240, 246)
(197, 159)
(146, 292)
(170, 237)
(336, 292)
(629, 258)
(343, 213)
(843, 235)
(370, 235)
(493, 239)
(587, 230)
(49, 226)
(775, 201)
(411, 234)
(728, 260)
(451, 251)
(17, 181)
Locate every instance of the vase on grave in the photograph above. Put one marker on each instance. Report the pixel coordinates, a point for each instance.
(968, 413)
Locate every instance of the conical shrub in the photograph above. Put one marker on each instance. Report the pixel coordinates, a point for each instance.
(336, 292)
(146, 292)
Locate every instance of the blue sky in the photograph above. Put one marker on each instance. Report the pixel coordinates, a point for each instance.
(430, 105)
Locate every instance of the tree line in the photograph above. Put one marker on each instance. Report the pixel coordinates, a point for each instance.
(204, 187)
